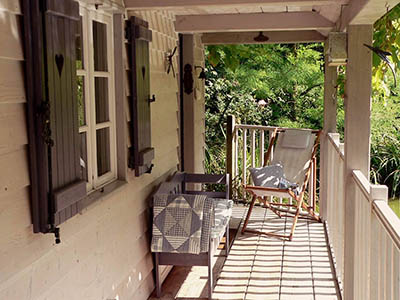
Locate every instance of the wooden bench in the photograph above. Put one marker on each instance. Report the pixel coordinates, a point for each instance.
(180, 183)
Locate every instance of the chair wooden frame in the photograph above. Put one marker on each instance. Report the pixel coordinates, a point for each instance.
(260, 193)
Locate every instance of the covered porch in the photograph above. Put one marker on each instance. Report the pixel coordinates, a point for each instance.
(261, 267)
(359, 236)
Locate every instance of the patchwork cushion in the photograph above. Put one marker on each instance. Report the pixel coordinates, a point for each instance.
(222, 215)
(208, 215)
(177, 223)
(268, 176)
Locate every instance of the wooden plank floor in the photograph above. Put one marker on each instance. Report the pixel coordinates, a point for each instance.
(261, 267)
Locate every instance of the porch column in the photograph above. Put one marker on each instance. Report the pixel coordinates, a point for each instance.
(193, 104)
(188, 106)
(357, 134)
(330, 105)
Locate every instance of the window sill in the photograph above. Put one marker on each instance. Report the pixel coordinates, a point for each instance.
(102, 193)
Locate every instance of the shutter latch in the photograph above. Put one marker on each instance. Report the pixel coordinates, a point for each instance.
(152, 99)
(56, 232)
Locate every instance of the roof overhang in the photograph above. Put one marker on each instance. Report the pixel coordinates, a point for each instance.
(309, 19)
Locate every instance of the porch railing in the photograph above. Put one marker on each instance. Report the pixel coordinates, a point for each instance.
(335, 195)
(377, 242)
(376, 231)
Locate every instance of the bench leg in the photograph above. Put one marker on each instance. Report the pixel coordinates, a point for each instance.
(227, 240)
(210, 275)
(158, 283)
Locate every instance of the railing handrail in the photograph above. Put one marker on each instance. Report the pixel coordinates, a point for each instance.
(267, 128)
(363, 183)
(380, 207)
(388, 219)
(335, 144)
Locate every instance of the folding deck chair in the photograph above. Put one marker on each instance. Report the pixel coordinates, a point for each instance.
(295, 153)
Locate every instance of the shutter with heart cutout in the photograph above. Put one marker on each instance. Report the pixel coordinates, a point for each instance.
(141, 154)
(51, 27)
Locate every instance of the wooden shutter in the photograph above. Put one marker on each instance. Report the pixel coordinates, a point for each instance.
(50, 31)
(141, 153)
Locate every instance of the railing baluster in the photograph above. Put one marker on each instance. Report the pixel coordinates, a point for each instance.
(389, 269)
(236, 160)
(253, 147)
(271, 157)
(396, 274)
(310, 186)
(244, 181)
(262, 142)
(230, 153)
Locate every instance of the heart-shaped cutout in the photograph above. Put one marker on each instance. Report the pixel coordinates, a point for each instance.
(59, 62)
(143, 71)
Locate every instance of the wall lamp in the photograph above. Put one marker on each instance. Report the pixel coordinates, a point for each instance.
(202, 73)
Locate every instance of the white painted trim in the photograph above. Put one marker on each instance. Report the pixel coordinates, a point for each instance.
(84, 72)
(88, 16)
(105, 6)
(190, 4)
(275, 37)
(252, 22)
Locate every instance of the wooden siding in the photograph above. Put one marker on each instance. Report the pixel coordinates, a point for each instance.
(104, 250)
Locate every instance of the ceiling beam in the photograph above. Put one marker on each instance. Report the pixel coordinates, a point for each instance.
(363, 12)
(252, 22)
(275, 37)
(185, 4)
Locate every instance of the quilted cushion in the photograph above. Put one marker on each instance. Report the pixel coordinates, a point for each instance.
(177, 223)
(222, 215)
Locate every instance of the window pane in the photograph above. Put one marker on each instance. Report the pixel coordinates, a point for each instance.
(83, 157)
(81, 101)
(103, 151)
(100, 46)
(79, 47)
(101, 99)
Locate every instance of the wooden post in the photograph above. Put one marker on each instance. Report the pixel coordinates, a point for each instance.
(188, 108)
(357, 135)
(230, 150)
(330, 103)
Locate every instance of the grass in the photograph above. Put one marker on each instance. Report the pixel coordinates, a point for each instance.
(394, 204)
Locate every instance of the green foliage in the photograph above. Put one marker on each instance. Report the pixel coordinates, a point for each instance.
(289, 78)
(385, 145)
(387, 38)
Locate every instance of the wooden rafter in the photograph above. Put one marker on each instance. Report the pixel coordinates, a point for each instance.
(275, 37)
(252, 22)
(176, 4)
(363, 12)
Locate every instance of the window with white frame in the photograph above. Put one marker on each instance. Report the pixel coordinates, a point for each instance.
(96, 104)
